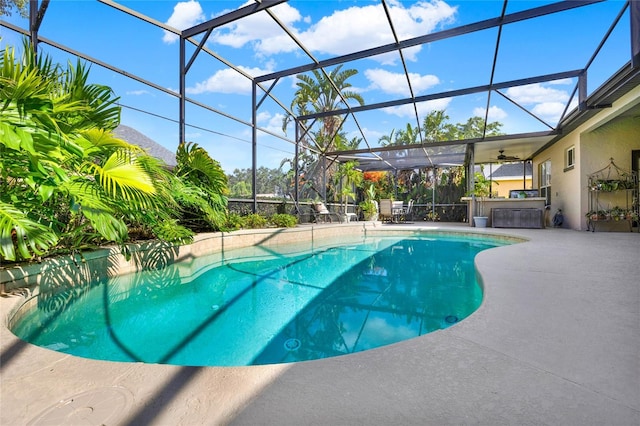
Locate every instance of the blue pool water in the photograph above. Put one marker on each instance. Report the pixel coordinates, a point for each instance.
(275, 308)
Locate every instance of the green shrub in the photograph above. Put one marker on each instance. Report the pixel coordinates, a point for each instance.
(283, 220)
(255, 221)
(233, 223)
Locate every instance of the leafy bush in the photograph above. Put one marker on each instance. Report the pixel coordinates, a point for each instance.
(69, 184)
(255, 221)
(233, 223)
(283, 220)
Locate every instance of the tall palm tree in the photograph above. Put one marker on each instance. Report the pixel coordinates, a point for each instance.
(315, 94)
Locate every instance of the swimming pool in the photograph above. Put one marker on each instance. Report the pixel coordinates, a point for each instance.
(334, 299)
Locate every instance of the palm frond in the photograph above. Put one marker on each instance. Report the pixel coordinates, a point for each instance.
(22, 236)
(122, 176)
(107, 225)
(170, 231)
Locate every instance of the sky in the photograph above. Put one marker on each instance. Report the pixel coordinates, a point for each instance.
(329, 28)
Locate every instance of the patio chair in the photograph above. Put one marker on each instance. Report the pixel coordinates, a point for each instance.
(408, 212)
(397, 211)
(322, 213)
(385, 210)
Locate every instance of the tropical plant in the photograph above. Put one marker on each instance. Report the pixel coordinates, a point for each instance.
(436, 128)
(58, 173)
(254, 221)
(203, 195)
(234, 222)
(283, 220)
(66, 183)
(323, 92)
(347, 177)
(481, 190)
(368, 206)
(320, 92)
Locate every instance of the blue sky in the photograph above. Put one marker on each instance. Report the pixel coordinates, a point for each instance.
(329, 28)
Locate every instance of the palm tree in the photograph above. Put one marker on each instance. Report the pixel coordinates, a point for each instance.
(348, 177)
(435, 126)
(316, 93)
(388, 140)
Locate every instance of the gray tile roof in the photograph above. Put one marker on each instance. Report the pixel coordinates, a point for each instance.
(511, 169)
(153, 148)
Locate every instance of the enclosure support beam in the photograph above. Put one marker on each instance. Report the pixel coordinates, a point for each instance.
(36, 13)
(324, 177)
(582, 91)
(448, 94)
(182, 113)
(471, 176)
(634, 13)
(296, 171)
(254, 144)
(231, 17)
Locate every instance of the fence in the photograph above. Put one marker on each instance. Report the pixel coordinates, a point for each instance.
(421, 212)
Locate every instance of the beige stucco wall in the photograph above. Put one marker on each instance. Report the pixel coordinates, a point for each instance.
(506, 185)
(603, 137)
(615, 140)
(564, 184)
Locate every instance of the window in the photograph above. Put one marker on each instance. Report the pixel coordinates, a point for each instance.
(545, 180)
(569, 158)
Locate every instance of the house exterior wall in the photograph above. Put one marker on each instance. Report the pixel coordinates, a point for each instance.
(564, 184)
(504, 185)
(615, 140)
(596, 141)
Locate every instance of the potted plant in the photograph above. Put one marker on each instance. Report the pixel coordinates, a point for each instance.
(481, 190)
(368, 206)
(347, 176)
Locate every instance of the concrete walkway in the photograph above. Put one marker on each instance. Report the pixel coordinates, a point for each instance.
(555, 342)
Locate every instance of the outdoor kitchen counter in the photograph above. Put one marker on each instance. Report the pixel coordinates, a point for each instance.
(504, 203)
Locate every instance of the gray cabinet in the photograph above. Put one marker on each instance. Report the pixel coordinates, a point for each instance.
(517, 218)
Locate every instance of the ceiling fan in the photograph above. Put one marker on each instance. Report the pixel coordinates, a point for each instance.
(503, 157)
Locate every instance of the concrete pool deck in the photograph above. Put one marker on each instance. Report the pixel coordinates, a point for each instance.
(556, 341)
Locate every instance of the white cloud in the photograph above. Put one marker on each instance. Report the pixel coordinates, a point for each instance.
(261, 30)
(536, 93)
(424, 108)
(227, 81)
(495, 113)
(345, 31)
(185, 15)
(272, 123)
(564, 81)
(545, 102)
(350, 30)
(373, 136)
(396, 83)
(549, 110)
(137, 92)
(263, 116)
